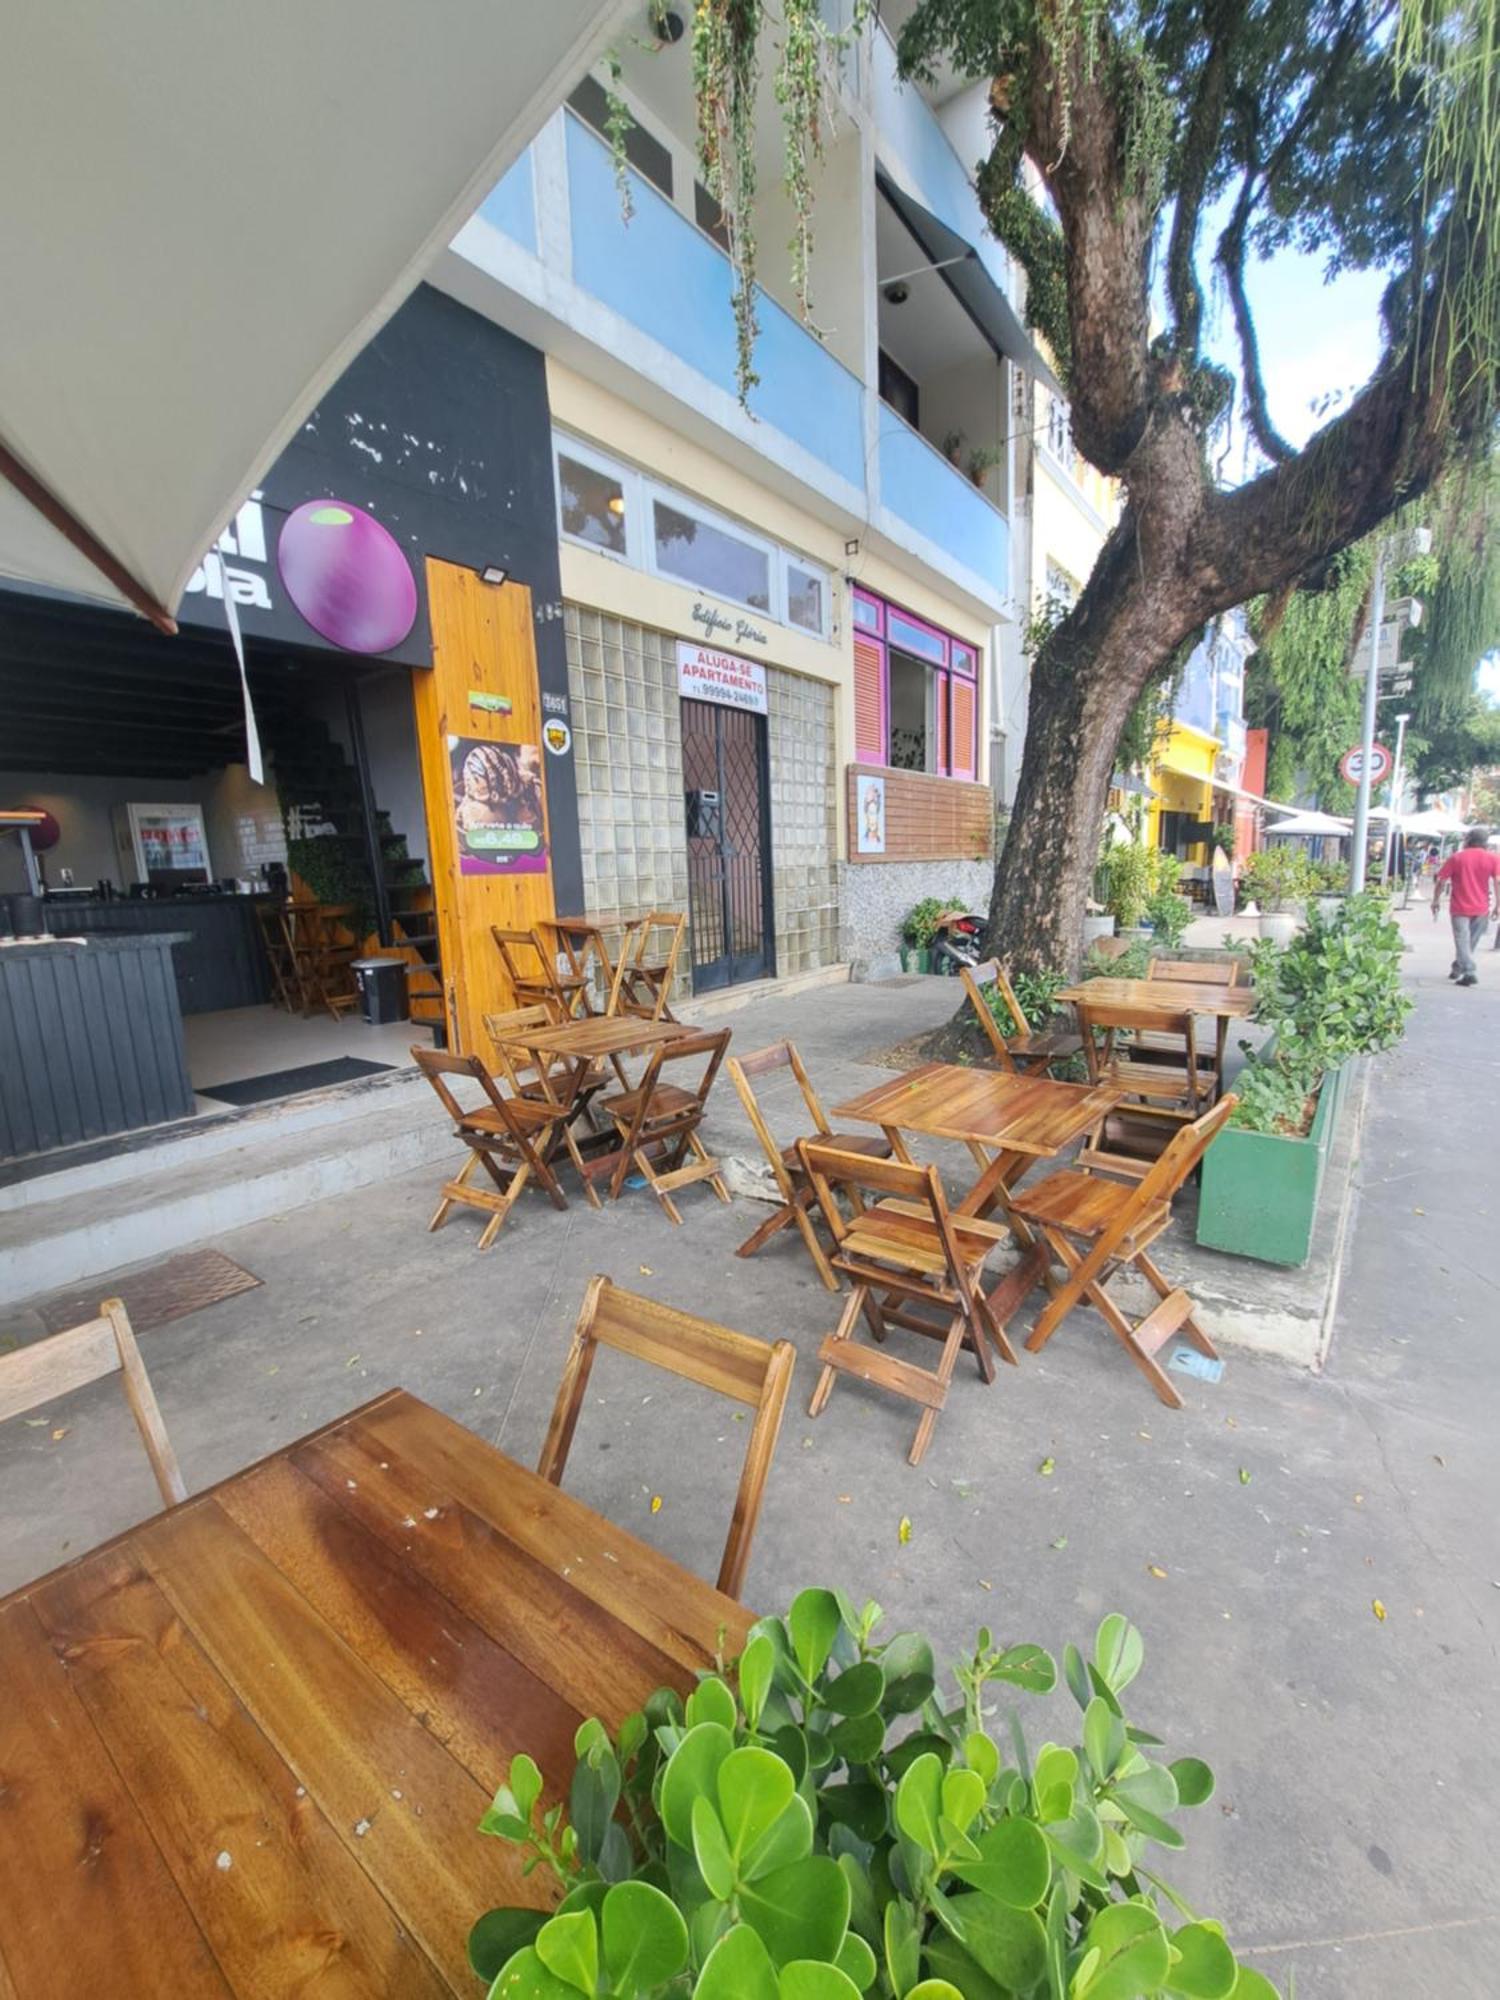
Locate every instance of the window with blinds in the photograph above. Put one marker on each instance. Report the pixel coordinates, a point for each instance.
(916, 693)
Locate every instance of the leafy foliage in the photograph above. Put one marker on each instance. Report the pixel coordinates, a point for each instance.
(819, 1822)
(1127, 872)
(1167, 912)
(1334, 992)
(919, 925)
(1277, 876)
(1300, 688)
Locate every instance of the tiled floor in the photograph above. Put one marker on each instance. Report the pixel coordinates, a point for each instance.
(253, 1041)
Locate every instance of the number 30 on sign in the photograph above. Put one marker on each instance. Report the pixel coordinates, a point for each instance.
(1351, 764)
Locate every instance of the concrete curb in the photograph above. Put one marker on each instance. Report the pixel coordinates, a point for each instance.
(1348, 1209)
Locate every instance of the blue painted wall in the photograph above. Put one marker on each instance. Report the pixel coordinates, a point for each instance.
(668, 279)
(511, 204)
(924, 490)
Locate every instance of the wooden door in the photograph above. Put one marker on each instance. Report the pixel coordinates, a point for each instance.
(479, 737)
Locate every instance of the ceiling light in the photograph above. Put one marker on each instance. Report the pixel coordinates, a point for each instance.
(898, 293)
(493, 573)
(616, 503)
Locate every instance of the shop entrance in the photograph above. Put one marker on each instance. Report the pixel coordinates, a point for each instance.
(729, 844)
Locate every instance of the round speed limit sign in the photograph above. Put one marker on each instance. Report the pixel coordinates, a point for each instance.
(1352, 763)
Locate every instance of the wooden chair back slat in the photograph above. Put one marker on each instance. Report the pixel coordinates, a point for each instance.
(753, 1372)
(643, 981)
(975, 979)
(1195, 972)
(47, 1369)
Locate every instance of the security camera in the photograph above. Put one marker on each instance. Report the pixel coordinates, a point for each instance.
(898, 293)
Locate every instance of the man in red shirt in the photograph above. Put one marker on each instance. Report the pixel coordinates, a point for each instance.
(1473, 874)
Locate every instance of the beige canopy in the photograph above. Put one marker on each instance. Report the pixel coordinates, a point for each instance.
(206, 213)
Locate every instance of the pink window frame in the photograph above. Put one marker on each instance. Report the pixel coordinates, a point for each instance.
(958, 658)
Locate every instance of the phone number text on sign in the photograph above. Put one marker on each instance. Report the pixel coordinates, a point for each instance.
(706, 674)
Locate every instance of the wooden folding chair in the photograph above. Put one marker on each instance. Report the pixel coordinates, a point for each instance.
(1095, 1227)
(1217, 976)
(1162, 1093)
(645, 968)
(566, 1083)
(1023, 1053)
(658, 1122)
(797, 1205)
(281, 960)
(913, 1264)
(509, 1137)
(757, 1373)
(582, 943)
(534, 978)
(46, 1369)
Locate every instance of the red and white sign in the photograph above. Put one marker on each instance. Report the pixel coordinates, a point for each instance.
(706, 674)
(1351, 764)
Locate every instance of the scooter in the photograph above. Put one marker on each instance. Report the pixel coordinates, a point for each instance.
(956, 941)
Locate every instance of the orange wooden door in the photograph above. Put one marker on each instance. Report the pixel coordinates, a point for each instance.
(479, 737)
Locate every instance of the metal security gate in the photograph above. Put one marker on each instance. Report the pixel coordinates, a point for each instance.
(729, 844)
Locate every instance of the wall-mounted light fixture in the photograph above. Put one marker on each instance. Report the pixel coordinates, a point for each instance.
(851, 549)
(493, 573)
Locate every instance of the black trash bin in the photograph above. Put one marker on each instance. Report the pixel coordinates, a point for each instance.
(382, 990)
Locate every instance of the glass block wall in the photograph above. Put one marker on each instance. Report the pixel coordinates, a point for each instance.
(627, 750)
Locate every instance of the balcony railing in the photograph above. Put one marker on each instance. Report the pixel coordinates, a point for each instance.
(667, 279)
(920, 487)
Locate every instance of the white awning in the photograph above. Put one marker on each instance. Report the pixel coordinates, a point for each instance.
(207, 213)
(1255, 799)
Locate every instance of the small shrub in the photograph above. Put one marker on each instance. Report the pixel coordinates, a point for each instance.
(919, 926)
(1127, 877)
(1275, 877)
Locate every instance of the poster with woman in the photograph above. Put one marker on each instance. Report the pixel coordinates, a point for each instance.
(870, 816)
(497, 807)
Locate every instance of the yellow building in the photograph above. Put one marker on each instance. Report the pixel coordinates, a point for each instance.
(1182, 781)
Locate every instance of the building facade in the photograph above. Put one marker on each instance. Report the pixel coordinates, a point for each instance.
(1200, 773)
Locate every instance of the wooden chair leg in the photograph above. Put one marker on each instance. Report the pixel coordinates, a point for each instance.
(453, 1191)
(779, 1219)
(705, 1158)
(1189, 1328)
(953, 1340)
(577, 1158)
(809, 1233)
(843, 1331)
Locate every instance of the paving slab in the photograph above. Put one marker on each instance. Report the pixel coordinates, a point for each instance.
(1357, 1757)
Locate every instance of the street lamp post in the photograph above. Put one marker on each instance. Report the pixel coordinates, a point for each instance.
(1398, 779)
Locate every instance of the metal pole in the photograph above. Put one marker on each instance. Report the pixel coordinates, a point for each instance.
(1372, 692)
(1395, 796)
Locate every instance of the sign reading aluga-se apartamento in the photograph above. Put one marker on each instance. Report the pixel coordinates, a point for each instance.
(706, 674)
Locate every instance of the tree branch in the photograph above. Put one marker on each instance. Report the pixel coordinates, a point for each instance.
(1199, 148)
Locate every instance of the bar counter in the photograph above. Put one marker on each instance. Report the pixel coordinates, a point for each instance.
(220, 961)
(90, 1039)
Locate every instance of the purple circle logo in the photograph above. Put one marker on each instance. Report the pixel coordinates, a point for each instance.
(347, 576)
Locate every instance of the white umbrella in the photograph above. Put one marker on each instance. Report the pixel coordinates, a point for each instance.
(1308, 823)
(1432, 820)
(207, 213)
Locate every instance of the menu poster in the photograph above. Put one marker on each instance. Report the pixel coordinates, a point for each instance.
(498, 810)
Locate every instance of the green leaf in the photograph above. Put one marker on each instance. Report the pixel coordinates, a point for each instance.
(1103, 1738)
(860, 1738)
(910, 1673)
(525, 1784)
(1014, 1865)
(900, 1757)
(813, 1623)
(738, 1968)
(1253, 1985)
(755, 1787)
(757, 1666)
(1010, 1945)
(711, 1850)
(981, 1755)
(645, 1938)
(499, 1935)
(1053, 1781)
(934, 1989)
(1118, 1651)
(859, 1806)
(1029, 1667)
(1057, 1940)
(809, 1979)
(1134, 1954)
(919, 1802)
(1205, 1967)
(857, 1690)
(1143, 1798)
(691, 1771)
(711, 1701)
(801, 1911)
(856, 1960)
(1194, 1780)
(593, 1795)
(1076, 1675)
(569, 1948)
(1078, 1842)
(903, 1944)
(526, 1978)
(946, 1959)
(963, 1798)
(864, 1911)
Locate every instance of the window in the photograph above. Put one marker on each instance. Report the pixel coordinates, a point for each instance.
(613, 509)
(648, 156)
(1062, 590)
(916, 695)
(699, 551)
(709, 216)
(898, 389)
(1060, 433)
(592, 501)
(806, 596)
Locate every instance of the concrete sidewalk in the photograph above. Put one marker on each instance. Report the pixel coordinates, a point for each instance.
(1345, 1845)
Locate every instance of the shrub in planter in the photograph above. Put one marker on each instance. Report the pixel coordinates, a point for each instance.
(1277, 877)
(818, 1823)
(1126, 871)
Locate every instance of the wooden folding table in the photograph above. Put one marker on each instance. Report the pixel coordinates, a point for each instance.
(245, 1747)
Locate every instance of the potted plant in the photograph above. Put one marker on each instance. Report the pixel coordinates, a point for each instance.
(1167, 912)
(918, 929)
(1097, 923)
(1331, 884)
(1332, 995)
(817, 1822)
(952, 447)
(1126, 870)
(982, 462)
(1276, 879)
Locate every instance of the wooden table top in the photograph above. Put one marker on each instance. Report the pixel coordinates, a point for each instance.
(1020, 1114)
(1168, 996)
(244, 1747)
(601, 1035)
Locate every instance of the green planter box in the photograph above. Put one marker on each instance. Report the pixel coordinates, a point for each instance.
(1259, 1192)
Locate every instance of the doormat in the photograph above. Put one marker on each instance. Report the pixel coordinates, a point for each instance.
(292, 1082)
(163, 1292)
